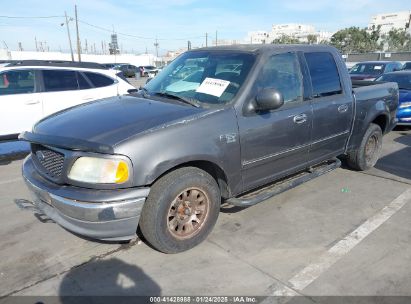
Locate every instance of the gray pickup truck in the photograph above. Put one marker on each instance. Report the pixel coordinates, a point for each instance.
(231, 124)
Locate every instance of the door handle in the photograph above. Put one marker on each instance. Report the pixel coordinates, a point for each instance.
(32, 102)
(343, 108)
(299, 119)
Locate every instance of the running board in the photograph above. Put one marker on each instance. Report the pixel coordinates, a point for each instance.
(269, 191)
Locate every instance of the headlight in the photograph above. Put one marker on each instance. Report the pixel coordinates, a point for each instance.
(99, 170)
(404, 105)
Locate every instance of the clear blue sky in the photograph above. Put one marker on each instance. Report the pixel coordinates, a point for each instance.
(174, 21)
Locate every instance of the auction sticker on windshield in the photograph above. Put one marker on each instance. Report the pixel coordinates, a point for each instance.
(212, 86)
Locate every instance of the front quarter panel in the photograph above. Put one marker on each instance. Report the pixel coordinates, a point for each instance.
(212, 137)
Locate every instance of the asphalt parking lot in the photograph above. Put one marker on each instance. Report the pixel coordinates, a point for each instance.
(343, 234)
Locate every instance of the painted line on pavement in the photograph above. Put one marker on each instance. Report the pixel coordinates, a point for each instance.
(313, 271)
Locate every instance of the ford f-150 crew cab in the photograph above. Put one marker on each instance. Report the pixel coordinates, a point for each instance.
(232, 124)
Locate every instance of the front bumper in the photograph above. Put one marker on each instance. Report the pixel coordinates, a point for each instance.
(98, 214)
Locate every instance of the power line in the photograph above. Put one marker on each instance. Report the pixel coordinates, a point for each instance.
(103, 28)
(135, 36)
(30, 17)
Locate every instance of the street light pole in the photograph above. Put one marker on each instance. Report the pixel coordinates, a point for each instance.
(78, 36)
(69, 38)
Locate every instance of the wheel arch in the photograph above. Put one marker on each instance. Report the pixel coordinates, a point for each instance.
(208, 166)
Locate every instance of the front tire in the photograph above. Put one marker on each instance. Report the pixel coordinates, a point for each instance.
(367, 154)
(181, 210)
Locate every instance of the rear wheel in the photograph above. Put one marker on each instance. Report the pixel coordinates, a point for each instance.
(181, 210)
(367, 154)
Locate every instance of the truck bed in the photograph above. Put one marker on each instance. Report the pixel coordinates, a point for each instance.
(369, 95)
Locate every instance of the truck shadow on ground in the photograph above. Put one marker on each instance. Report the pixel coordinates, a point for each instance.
(102, 278)
(397, 163)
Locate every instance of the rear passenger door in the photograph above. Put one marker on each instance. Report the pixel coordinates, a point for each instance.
(332, 107)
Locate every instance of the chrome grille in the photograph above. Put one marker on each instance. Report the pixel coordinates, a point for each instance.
(51, 162)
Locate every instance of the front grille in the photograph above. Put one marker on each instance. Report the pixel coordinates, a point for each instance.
(51, 162)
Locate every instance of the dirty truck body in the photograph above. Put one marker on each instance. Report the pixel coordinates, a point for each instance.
(213, 125)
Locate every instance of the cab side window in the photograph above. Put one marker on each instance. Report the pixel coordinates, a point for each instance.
(282, 72)
(324, 74)
(17, 82)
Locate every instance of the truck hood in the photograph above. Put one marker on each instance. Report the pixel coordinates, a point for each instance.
(113, 120)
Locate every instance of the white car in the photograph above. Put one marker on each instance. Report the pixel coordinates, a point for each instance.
(30, 91)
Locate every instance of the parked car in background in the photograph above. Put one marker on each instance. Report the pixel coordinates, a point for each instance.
(146, 69)
(370, 70)
(153, 73)
(30, 90)
(111, 65)
(403, 78)
(166, 158)
(128, 70)
(407, 66)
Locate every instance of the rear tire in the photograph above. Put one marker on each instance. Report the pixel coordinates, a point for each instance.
(367, 154)
(181, 210)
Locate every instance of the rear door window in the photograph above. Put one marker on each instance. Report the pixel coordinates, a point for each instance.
(324, 74)
(58, 80)
(17, 82)
(99, 80)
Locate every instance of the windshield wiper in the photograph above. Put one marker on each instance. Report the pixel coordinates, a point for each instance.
(186, 100)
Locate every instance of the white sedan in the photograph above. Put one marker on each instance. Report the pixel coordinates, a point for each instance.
(29, 93)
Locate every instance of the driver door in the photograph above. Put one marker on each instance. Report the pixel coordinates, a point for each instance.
(276, 143)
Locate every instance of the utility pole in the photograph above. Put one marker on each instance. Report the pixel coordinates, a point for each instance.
(35, 41)
(188, 45)
(206, 39)
(215, 38)
(78, 36)
(20, 47)
(156, 45)
(69, 38)
(86, 48)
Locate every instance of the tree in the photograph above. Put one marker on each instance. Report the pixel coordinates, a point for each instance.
(397, 40)
(311, 39)
(285, 39)
(354, 39)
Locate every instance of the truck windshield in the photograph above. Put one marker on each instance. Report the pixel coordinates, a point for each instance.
(368, 69)
(208, 77)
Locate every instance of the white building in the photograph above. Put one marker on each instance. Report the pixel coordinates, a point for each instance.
(399, 20)
(295, 30)
(323, 36)
(258, 37)
(300, 31)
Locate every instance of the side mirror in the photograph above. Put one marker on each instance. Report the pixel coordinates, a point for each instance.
(269, 99)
